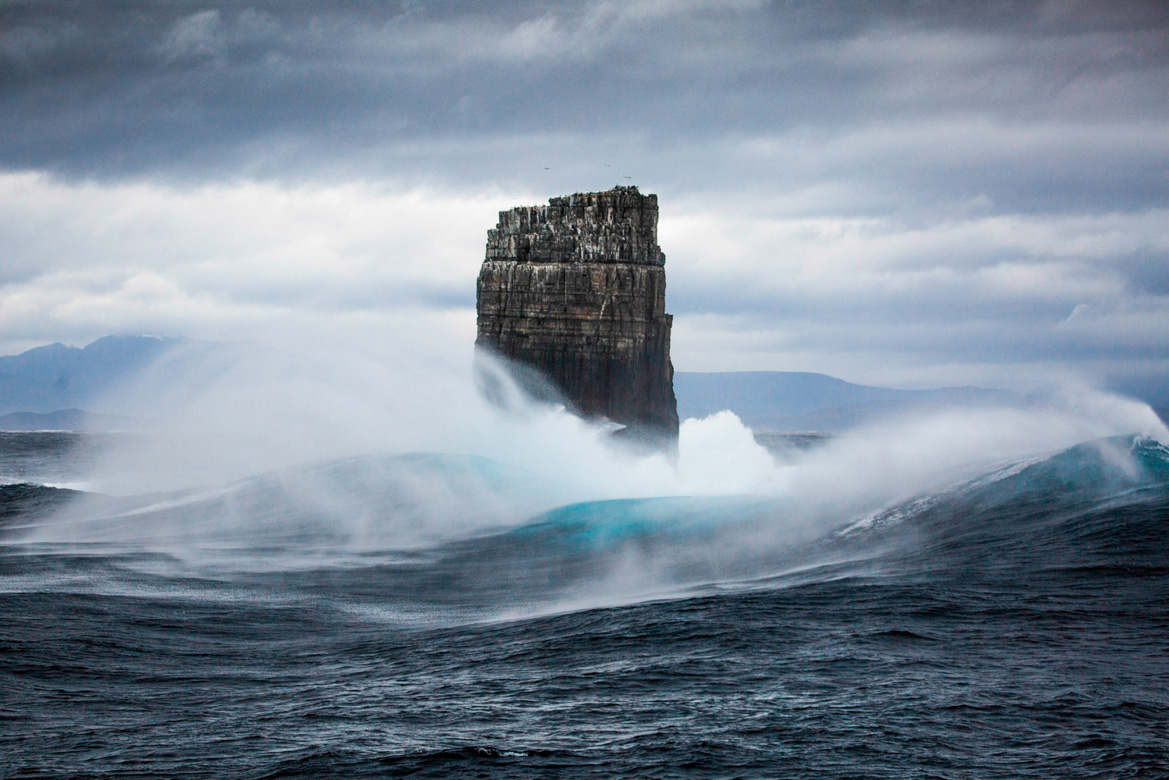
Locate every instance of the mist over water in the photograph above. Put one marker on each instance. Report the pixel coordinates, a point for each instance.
(265, 460)
(232, 414)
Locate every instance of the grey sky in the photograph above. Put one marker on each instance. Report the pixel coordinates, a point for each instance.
(909, 193)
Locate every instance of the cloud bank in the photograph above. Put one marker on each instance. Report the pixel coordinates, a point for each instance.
(902, 193)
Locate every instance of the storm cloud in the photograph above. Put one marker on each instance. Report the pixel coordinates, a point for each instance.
(889, 192)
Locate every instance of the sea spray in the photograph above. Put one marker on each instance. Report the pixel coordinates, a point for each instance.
(360, 456)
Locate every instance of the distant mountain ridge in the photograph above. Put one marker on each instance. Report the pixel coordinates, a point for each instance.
(66, 388)
(800, 401)
(56, 377)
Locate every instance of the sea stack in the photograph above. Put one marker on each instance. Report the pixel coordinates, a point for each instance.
(575, 291)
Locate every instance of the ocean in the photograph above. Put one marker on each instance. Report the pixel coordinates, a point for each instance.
(450, 615)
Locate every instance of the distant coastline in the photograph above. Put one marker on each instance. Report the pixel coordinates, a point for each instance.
(66, 420)
(63, 388)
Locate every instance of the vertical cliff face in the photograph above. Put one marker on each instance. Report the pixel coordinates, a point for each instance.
(576, 290)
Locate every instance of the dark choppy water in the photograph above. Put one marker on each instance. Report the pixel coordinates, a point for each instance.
(58, 458)
(1016, 626)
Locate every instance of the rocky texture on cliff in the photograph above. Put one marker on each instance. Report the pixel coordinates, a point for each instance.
(576, 290)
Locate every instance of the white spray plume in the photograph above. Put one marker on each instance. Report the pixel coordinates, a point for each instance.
(219, 420)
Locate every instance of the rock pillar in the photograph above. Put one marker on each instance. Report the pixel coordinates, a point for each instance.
(576, 291)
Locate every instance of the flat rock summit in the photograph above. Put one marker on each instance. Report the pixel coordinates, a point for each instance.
(575, 292)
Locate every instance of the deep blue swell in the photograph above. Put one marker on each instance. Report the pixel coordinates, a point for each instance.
(1015, 626)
